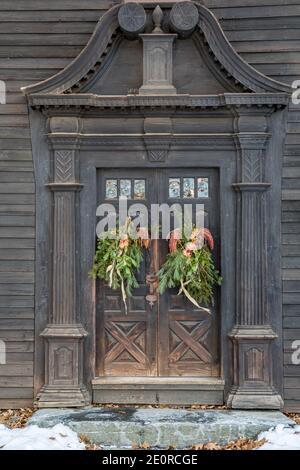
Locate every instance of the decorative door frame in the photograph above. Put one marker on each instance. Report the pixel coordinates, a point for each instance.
(66, 156)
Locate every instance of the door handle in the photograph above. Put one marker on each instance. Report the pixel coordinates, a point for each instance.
(152, 281)
(152, 278)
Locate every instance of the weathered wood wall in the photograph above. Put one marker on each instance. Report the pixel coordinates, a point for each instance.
(38, 38)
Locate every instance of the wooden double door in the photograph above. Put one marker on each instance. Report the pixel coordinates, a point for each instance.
(167, 337)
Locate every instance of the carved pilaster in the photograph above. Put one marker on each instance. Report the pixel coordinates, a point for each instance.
(64, 282)
(64, 334)
(252, 335)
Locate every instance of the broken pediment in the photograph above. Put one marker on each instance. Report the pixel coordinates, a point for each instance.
(140, 50)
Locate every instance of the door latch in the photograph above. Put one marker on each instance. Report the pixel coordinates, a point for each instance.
(152, 281)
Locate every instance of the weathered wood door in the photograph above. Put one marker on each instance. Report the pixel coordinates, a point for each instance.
(171, 337)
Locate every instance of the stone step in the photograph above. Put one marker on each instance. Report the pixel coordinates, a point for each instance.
(120, 428)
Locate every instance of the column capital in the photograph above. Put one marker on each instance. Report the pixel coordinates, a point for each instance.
(251, 140)
(256, 186)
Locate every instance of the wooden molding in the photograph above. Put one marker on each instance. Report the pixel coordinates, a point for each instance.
(90, 57)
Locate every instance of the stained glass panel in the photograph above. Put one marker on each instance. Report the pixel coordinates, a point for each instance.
(174, 187)
(188, 187)
(111, 189)
(139, 189)
(202, 187)
(125, 188)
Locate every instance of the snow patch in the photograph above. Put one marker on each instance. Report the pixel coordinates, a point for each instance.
(60, 437)
(281, 438)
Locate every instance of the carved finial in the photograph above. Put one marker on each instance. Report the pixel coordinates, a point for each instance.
(157, 19)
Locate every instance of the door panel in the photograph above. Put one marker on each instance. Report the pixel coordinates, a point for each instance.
(188, 337)
(172, 337)
(126, 343)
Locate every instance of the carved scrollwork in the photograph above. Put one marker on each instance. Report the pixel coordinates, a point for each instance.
(132, 18)
(157, 155)
(184, 17)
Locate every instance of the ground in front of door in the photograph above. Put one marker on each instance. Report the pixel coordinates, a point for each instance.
(161, 427)
(130, 427)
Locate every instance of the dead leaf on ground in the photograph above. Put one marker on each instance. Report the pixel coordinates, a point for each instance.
(87, 442)
(162, 406)
(294, 416)
(145, 445)
(16, 418)
(239, 444)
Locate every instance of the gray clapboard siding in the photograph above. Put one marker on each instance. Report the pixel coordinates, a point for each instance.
(291, 195)
(291, 322)
(27, 313)
(17, 243)
(17, 232)
(15, 110)
(291, 274)
(30, 75)
(18, 370)
(41, 5)
(266, 46)
(290, 310)
(36, 63)
(292, 371)
(56, 15)
(291, 216)
(10, 144)
(16, 289)
(43, 39)
(14, 199)
(17, 221)
(21, 51)
(293, 172)
(291, 298)
(256, 58)
(12, 155)
(48, 27)
(290, 335)
(239, 24)
(260, 35)
(246, 3)
(293, 250)
(16, 176)
(258, 11)
(20, 394)
(17, 335)
(20, 358)
(19, 382)
(291, 286)
(19, 347)
(13, 120)
(18, 209)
